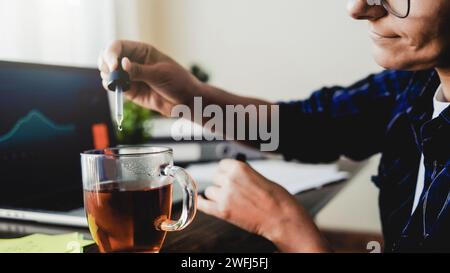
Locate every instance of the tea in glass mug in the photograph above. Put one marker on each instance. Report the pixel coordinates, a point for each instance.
(128, 197)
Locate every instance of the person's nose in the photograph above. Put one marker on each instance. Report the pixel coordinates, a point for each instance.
(363, 10)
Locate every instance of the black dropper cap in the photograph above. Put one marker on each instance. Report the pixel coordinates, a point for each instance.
(119, 77)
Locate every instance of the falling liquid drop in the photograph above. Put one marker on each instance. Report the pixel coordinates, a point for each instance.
(119, 127)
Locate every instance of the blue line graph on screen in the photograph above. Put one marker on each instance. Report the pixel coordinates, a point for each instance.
(32, 128)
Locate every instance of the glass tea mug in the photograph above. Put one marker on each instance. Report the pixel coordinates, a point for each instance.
(128, 197)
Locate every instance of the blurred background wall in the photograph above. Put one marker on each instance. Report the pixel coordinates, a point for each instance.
(274, 49)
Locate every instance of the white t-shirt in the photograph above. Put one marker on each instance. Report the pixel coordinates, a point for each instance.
(440, 104)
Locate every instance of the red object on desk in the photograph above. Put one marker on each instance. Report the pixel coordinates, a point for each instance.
(100, 135)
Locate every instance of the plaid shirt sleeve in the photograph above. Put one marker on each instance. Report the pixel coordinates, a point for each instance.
(341, 121)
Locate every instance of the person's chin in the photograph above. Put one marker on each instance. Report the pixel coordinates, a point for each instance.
(401, 60)
(387, 59)
(388, 51)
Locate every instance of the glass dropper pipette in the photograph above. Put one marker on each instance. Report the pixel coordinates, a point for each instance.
(119, 82)
(119, 107)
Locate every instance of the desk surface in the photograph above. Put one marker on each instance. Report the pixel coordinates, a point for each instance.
(206, 234)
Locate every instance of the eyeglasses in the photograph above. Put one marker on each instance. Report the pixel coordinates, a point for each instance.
(398, 8)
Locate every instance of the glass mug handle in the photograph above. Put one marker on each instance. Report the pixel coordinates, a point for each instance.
(189, 199)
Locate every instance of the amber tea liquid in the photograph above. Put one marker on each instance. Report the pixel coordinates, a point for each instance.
(124, 217)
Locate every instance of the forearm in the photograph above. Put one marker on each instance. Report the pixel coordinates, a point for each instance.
(217, 96)
(249, 112)
(291, 240)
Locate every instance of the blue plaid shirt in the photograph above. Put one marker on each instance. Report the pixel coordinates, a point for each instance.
(388, 113)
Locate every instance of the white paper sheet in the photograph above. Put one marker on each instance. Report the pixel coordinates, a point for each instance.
(294, 177)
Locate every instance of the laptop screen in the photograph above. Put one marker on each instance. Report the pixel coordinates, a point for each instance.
(48, 115)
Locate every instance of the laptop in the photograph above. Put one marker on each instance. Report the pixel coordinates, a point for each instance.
(48, 115)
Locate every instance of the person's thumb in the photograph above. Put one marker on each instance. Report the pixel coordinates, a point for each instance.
(140, 72)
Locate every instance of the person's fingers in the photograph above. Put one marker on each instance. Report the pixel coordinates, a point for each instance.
(227, 164)
(212, 193)
(102, 66)
(104, 76)
(136, 51)
(105, 85)
(141, 72)
(233, 166)
(112, 54)
(138, 89)
(219, 178)
(207, 206)
(126, 64)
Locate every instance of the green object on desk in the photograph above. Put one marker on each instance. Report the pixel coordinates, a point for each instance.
(41, 243)
(134, 118)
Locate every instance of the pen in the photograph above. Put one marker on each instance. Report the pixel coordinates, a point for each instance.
(241, 157)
